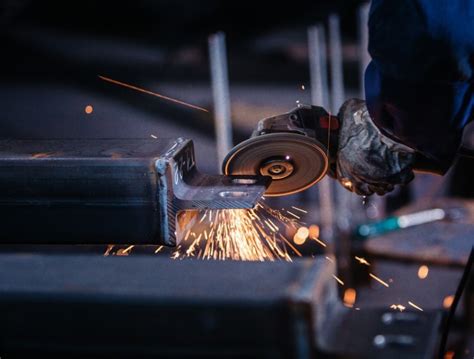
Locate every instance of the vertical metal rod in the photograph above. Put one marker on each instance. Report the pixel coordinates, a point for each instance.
(221, 95)
(320, 97)
(335, 52)
(364, 56)
(343, 197)
(343, 201)
(318, 66)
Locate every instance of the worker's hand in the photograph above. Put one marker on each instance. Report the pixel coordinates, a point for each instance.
(367, 161)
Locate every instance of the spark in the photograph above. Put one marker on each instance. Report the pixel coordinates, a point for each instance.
(314, 231)
(329, 259)
(349, 298)
(269, 226)
(89, 109)
(415, 306)
(108, 250)
(290, 245)
(188, 233)
(274, 225)
(423, 272)
(399, 307)
(338, 280)
(124, 251)
(301, 235)
(139, 89)
(302, 87)
(153, 136)
(448, 301)
(362, 260)
(294, 215)
(320, 242)
(158, 249)
(379, 280)
(43, 155)
(299, 209)
(128, 249)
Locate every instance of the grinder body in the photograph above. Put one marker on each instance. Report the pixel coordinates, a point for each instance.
(295, 149)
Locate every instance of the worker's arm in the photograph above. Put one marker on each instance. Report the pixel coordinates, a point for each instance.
(419, 85)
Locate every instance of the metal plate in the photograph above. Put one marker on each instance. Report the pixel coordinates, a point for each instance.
(308, 158)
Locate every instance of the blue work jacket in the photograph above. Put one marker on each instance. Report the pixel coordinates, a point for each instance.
(420, 83)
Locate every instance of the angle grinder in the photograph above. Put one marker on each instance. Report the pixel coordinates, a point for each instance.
(296, 149)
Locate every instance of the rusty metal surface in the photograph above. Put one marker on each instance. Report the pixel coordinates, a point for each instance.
(442, 242)
(104, 191)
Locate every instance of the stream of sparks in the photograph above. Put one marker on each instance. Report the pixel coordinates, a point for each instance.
(258, 234)
(240, 234)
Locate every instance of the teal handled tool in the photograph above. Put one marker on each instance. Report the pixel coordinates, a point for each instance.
(394, 223)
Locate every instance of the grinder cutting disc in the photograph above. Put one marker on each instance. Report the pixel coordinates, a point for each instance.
(295, 162)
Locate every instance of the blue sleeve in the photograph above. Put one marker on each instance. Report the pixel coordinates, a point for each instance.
(419, 85)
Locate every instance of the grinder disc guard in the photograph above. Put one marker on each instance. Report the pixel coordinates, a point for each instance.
(295, 162)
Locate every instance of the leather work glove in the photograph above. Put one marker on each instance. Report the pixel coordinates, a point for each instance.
(367, 161)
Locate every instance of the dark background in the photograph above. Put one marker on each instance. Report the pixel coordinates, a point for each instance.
(52, 52)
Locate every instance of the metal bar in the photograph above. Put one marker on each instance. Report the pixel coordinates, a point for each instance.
(221, 95)
(364, 56)
(318, 66)
(343, 197)
(146, 307)
(97, 191)
(335, 51)
(143, 306)
(320, 97)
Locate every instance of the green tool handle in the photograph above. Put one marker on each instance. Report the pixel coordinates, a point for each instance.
(377, 228)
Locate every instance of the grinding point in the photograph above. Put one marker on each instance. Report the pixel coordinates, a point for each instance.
(295, 162)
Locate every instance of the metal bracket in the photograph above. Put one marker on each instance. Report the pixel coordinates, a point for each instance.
(183, 187)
